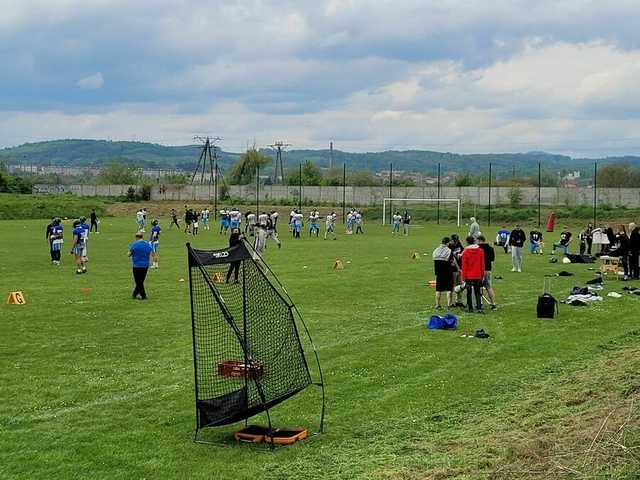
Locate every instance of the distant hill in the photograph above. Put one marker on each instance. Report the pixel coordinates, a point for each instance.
(150, 155)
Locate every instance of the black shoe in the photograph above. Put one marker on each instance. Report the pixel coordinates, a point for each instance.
(493, 306)
(479, 310)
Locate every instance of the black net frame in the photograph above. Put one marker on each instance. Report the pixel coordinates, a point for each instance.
(247, 352)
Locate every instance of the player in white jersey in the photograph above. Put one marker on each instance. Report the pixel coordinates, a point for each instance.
(204, 216)
(314, 227)
(358, 223)
(272, 233)
(140, 220)
(251, 223)
(397, 220)
(292, 215)
(274, 220)
(330, 225)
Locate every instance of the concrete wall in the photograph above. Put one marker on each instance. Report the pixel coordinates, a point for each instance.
(362, 196)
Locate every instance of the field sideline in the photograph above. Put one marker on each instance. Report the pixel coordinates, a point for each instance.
(97, 385)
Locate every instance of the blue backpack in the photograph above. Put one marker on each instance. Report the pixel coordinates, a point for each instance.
(448, 322)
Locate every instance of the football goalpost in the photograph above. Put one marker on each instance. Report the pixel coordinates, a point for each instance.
(436, 201)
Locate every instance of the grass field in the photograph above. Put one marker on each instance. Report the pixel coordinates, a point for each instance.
(97, 385)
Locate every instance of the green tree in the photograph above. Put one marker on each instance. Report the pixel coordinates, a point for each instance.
(311, 174)
(244, 171)
(515, 197)
(119, 173)
(465, 180)
(616, 175)
(332, 177)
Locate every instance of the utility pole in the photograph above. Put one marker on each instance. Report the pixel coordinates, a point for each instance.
(438, 209)
(330, 155)
(595, 194)
(489, 218)
(278, 146)
(390, 192)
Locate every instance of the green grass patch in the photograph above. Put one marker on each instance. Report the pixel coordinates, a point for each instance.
(15, 206)
(97, 385)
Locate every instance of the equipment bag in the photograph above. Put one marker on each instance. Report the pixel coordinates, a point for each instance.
(547, 304)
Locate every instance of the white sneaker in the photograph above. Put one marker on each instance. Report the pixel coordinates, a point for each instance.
(513, 269)
(519, 270)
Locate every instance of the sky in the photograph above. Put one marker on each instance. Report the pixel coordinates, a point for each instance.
(369, 75)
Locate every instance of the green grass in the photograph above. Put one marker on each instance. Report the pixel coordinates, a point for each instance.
(102, 386)
(15, 206)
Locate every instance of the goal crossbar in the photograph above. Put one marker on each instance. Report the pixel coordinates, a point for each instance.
(421, 200)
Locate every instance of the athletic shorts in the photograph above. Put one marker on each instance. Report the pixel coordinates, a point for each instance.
(487, 281)
(225, 223)
(235, 224)
(77, 250)
(154, 247)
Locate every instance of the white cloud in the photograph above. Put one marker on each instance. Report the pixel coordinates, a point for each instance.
(92, 82)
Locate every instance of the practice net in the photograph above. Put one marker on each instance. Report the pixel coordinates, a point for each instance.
(247, 352)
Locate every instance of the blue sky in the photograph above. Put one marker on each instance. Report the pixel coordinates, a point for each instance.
(462, 76)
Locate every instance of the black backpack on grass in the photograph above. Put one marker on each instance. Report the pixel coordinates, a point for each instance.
(547, 304)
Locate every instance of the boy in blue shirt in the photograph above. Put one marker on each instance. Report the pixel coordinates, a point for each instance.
(77, 249)
(502, 239)
(85, 237)
(139, 251)
(154, 240)
(56, 241)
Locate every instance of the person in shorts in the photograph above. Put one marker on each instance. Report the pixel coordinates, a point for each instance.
(442, 258)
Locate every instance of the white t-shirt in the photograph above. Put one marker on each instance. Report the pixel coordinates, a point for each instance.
(262, 219)
(397, 219)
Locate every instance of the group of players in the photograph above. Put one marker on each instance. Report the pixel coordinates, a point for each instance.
(54, 236)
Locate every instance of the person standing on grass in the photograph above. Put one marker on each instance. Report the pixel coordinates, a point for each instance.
(49, 237)
(516, 242)
(235, 239)
(473, 273)
(456, 261)
(194, 220)
(272, 233)
(77, 248)
(204, 216)
(489, 257)
(140, 219)
(140, 252)
(406, 220)
(502, 239)
(56, 241)
(330, 225)
(174, 219)
(443, 271)
(85, 237)
(359, 223)
(634, 251)
(474, 228)
(94, 220)
(154, 240)
(396, 220)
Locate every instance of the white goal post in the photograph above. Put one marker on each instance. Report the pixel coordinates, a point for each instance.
(420, 200)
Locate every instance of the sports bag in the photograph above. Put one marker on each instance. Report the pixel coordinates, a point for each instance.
(547, 304)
